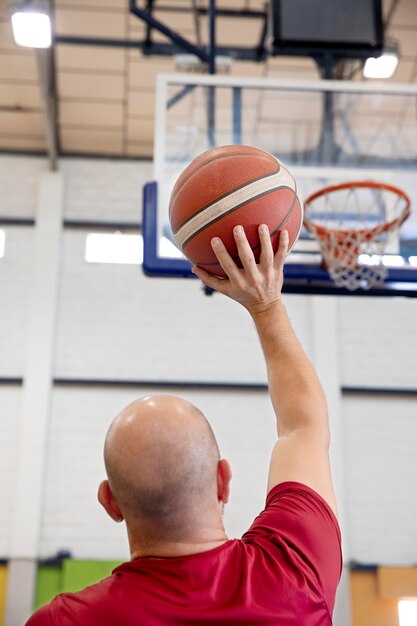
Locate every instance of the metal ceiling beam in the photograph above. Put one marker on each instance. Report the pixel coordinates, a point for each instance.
(46, 68)
(219, 12)
(238, 53)
(177, 39)
(177, 42)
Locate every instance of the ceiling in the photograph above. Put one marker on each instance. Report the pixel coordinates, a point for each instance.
(106, 96)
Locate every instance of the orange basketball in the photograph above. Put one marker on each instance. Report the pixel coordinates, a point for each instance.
(227, 186)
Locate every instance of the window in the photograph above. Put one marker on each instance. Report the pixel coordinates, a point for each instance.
(114, 248)
(407, 612)
(122, 248)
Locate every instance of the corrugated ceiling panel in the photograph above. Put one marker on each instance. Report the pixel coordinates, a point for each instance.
(20, 95)
(140, 130)
(119, 5)
(90, 58)
(92, 141)
(142, 72)
(405, 14)
(103, 23)
(30, 143)
(105, 92)
(18, 66)
(6, 36)
(81, 86)
(20, 122)
(139, 150)
(407, 39)
(141, 102)
(90, 113)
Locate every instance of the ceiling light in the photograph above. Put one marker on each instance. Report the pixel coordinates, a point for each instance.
(383, 66)
(191, 63)
(393, 260)
(31, 23)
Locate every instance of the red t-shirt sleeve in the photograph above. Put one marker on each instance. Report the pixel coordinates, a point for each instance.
(297, 519)
(42, 617)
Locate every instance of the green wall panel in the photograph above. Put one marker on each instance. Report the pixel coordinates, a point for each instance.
(48, 584)
(79, 574)
(68, 576)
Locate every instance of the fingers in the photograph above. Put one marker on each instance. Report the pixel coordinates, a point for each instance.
(281, 253)
(245, 252)
(208, 279)
(250, 268)
(267, 253)
(225, 260)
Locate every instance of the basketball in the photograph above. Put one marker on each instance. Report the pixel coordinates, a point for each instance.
(228, 186)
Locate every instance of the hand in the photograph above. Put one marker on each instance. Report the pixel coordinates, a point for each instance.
(257, 286)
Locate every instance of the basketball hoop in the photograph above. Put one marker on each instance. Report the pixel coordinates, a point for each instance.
(354, 223)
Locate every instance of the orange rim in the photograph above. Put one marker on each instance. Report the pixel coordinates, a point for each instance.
(324, 233)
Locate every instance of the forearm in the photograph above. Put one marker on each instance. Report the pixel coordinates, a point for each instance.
(296, 393)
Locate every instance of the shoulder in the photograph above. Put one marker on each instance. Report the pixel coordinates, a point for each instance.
(298, 521)
(294, 501)
(69, 608)
(42, 617)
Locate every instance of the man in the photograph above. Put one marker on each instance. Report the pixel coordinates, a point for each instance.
(166, 480)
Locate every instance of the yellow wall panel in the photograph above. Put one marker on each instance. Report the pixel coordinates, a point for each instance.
(368, 608)
(397, 582)
(3, 582)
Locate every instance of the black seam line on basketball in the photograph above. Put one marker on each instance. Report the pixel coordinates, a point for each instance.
(213, 160)
(255, 247)
(280, 225)
(235, 208)
(228, 193)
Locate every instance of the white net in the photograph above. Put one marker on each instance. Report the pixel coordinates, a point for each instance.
(354, 224)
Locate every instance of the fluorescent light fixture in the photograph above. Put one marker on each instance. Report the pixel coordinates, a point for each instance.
(412, 261)
(383, 66)
(31, 24)
(393, 260)
(407, 612)
(369, 259)
(114, 248)
(389, 260)
(170, 250)
(192, 63)
(2, 242)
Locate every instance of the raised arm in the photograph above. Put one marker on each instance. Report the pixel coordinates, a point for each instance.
(301, 453)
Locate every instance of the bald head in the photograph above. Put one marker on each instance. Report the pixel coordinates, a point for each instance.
(161, 458)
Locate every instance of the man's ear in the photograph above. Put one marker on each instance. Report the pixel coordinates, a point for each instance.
(224, 476)
(107, 501)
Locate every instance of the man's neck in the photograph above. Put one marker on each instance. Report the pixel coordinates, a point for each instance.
(160, 548)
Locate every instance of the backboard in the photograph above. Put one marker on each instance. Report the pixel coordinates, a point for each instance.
(326, 132)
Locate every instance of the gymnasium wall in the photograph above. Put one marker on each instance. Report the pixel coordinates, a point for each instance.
(113, 324)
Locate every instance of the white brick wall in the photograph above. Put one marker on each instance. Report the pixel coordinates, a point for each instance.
(10, 405)
(115, 323)
(378, 342)
(105, 190)
(15, 279)
(73, 519)
(19, 184)
(381, 445)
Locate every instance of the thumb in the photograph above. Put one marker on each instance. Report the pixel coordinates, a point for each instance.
(219, 284)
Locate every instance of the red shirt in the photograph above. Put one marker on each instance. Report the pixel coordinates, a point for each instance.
(284, 570)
